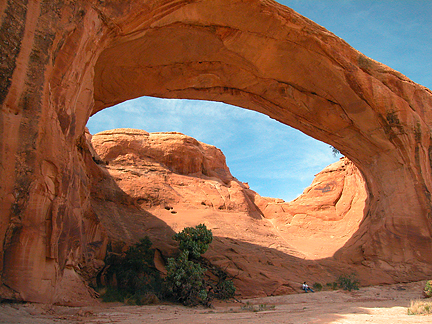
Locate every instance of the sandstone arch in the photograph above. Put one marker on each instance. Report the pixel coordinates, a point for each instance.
(64, 61)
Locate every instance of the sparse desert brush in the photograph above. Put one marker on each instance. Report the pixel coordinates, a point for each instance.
(260, 308)
(348, 282)
(317, 286)
(420, 307)
(332, 285)
(428, 289)
(132, 277)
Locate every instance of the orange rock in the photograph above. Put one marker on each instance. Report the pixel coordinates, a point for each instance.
(64, 61)
(182, 170)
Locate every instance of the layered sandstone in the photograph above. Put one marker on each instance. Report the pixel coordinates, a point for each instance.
(65, 60)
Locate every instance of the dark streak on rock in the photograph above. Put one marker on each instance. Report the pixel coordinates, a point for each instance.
(11, 35)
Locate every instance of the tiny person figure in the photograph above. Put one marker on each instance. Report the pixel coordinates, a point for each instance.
(305, 287)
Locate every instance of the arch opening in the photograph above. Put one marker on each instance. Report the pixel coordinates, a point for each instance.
(313, 226)
(295, 76)
(276, 160)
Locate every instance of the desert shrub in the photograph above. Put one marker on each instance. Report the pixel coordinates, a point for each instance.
(428, 289)
(195, 240)
(217, 281)
(348, 282)
(132, 276)
(419, 307)
(224, 289)
(317, 286)
(335, 151)
(248, 307)
(332, 285)
(185, 280)
(112, 294)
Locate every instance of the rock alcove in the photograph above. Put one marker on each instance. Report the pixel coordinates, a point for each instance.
(64, 61)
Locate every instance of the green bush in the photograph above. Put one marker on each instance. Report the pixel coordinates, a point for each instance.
(348, 282)
(185, 280)
(332, 285)
(428, 289)
(195, 240)
(224, 289)
(220, 287)
(132, 277)
(335, 151)
(317, 286)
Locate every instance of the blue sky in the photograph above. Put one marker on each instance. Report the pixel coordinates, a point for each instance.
(277, 160)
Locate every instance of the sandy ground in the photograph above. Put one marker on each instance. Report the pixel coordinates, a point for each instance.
(379, 304)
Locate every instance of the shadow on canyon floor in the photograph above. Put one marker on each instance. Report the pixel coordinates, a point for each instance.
(264, 271)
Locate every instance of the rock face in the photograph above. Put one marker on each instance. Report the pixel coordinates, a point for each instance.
(167, 169)
(65, 60)
(321, 220)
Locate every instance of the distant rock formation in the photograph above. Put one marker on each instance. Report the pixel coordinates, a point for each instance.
(163, 169)
(63, 61)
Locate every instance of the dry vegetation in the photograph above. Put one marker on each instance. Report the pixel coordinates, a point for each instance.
(420, 307)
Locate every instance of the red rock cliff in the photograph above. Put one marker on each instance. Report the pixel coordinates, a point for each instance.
(65, 60)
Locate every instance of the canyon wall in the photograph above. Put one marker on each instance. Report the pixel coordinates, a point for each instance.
(65, 60)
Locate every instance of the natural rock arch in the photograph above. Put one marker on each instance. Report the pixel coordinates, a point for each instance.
(67, 60)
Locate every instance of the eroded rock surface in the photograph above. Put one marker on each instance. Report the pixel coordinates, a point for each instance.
(65, 60)
(170, 169)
